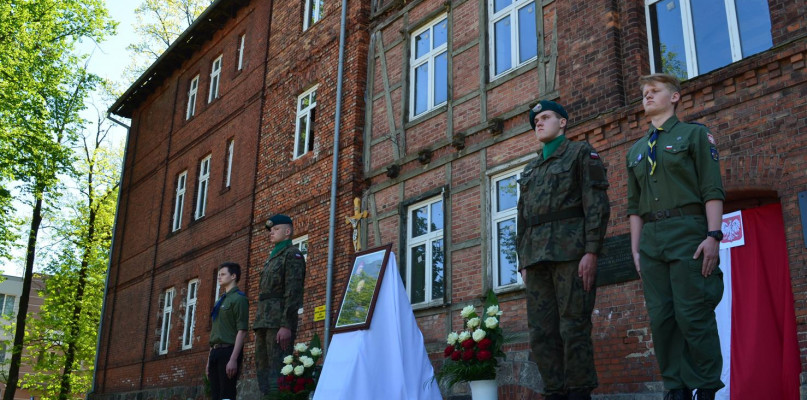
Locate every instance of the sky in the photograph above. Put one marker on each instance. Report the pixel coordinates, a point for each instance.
(108, 61)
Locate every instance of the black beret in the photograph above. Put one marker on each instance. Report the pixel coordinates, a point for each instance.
(278, 219)
(546, 105)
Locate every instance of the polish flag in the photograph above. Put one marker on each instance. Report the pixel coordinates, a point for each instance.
(756, 320)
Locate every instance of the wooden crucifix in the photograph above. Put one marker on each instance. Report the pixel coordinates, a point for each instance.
(354, 221)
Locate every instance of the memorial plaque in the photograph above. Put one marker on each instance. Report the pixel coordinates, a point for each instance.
(615, 263)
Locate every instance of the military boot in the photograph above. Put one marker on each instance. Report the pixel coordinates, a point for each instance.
(678, 394)
(580, 395)
(705, 394)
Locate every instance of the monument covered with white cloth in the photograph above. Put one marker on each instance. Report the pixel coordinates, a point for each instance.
(386, 361)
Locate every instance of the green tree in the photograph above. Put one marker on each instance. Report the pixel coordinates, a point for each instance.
(159, 23)
(43, 84)
(60, 343)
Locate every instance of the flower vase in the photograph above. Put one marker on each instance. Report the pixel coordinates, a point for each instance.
(484, 390)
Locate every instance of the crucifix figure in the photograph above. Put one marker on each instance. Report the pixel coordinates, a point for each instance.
(354, 220)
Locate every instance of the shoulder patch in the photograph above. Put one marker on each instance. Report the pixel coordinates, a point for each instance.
(298, 255)
(711, 139)
(594, 156)
(715, 155)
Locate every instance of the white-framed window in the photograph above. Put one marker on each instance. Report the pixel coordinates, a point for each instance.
(503, 212)
(304, 131)
(429, 67)
(190, 111)
(302, 244)
(190, 314)
(689, 38)
(204, 182)
(240, 51)
(7, 304)
(313, 12)
(229, 173)
(165, 329)
(215, 77)
(513, 34)
(425, 252)
(179, 201)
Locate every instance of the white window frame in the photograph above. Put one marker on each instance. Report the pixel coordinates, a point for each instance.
(190, 111)
(165, 328)
(426, 239)
(499, 216)
(202, 187)
(316, 15)
(302, 244)
(689, 35)
(190, 314)
(215, 78)
(230, 151)
(179, 200)
(429, 59)
(4, 305)
(511, 11)
(306, 113)
(241, 41)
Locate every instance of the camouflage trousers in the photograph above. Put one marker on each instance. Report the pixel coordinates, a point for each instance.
(559, 318)
(268, 359)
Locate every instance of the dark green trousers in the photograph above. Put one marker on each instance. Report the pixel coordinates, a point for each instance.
(268, 359)
(681, 303)
(559, 318)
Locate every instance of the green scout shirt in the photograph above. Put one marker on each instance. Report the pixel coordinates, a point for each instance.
(687, 169)
(281, 291)
(573, 177)
(233, 316)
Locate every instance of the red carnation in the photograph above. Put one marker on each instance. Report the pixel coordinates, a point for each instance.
(468, 355)
(447, 352)
(298, 388)
(483, 355)
(289, 378)
(280, 380)
(468, 343)
(456, 355)
(484, 344)
(300, 381)
(309, 381)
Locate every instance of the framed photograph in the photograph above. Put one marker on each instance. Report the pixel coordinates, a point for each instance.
(362, 289)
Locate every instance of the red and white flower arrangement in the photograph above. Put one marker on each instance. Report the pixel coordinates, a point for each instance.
(299, 373)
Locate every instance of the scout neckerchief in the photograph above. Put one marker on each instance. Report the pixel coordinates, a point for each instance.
(216, 307)
(550, 147)
(651, 149)
(279, 247)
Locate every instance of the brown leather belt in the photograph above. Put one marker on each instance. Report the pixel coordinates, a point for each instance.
(689, 209)
(566, 213)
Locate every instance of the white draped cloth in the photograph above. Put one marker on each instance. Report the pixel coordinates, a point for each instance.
(387, 361)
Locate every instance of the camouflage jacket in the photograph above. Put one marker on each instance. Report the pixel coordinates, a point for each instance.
(563, 207)
(281, 290)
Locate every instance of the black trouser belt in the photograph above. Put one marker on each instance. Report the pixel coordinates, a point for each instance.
(267, 296)
(575, 212)
(689, 209)
(220, 345)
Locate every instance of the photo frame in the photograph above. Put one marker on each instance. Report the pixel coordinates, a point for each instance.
(361, 291)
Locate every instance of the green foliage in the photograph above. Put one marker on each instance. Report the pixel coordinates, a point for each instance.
(672, 64)
(60, 342)
(159, 23)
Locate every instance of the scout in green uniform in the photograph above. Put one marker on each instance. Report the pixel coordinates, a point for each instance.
(230, 318)
(675, 206)
(281, 295)
(563, 213)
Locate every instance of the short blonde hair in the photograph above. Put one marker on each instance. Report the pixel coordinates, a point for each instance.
(671, 81)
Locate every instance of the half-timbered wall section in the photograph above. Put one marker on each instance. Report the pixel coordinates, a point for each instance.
(446, 135)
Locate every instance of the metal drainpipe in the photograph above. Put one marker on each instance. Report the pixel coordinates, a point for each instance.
(109, 263)
(334, 178)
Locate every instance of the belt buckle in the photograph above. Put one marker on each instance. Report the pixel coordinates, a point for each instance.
(660, 215)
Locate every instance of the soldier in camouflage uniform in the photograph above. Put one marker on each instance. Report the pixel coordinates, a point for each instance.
(675, 206)
(563, 213)
(281, 295)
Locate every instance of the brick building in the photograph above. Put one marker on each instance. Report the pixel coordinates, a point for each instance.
(232, 124)
(235, 122)
(10, 292)
(446, 135)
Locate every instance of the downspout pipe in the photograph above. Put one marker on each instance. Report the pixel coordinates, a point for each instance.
(334, 178)
(109, 263)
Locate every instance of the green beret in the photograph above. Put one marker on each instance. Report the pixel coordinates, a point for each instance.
(546, 105)
(278, 219)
